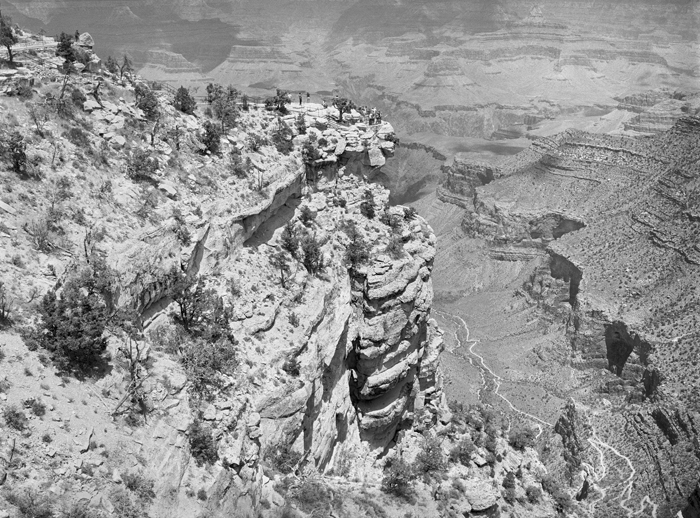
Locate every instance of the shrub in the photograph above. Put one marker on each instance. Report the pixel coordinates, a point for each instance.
(255, 142)
(200, 310)
(367, 209)
(561, 497)
(202, 444)
(15, 418)
(522, 438)
(409, 213)
(313, 256)
(202, 494)
(78, 97)
(141, 486)
(184, 102)
(78, 138)
(463, 451)
(509, 481)
(311, 495)
(398, 479)
(78, 510)
(394, 247)
(430, 459)
(141, 165)
(5, 306)
(18, 152)
(533, 493)
(282, 458)
(357, 251)
(291, 366)
(37, 407)
(306, 215)
(31, 503)
(124, 505)
(46, 438)
(294, 320)
(509, 495)
(203, 361)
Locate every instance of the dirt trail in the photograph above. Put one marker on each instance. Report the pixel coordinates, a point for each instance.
(489, 379)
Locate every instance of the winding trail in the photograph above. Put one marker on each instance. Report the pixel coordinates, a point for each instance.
(490, 378)
(494, 378)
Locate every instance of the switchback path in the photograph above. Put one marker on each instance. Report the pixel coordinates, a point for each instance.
(489, 379)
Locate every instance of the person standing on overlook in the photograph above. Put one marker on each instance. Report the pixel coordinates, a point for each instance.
(308, 97)
(299, 98)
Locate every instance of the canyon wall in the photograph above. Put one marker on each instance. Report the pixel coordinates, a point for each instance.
(616, 217)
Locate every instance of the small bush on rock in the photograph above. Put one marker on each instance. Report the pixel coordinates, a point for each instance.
(522, 438)
(141, 486)
(462, 453)
(31, 503)
(534, 494)
(282, 458)
(313, 256)
(312, 496)
(398, 479)
(431, 458)
(15, 418)
(141, 165)
(290, 240)
(202, 444)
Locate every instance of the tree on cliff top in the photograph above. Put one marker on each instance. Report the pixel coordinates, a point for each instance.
(7, 36)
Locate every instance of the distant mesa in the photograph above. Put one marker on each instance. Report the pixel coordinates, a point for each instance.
(122, 14)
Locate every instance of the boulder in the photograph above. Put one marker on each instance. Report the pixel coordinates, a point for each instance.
(480, 494)
(91, 105)
(376, 157)
(85, 40)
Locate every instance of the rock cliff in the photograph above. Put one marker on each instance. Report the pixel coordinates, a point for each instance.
(334, 353)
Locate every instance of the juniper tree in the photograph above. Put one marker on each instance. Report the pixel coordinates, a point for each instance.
(64, 49)
(212, 137)
(280, 262)
(313, 256)
(184, 102)
(290, 240)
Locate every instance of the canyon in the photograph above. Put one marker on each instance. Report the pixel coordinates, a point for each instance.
(551, 151)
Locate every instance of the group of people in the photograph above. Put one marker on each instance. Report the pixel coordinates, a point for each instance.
(308, 97)
(372, 116)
